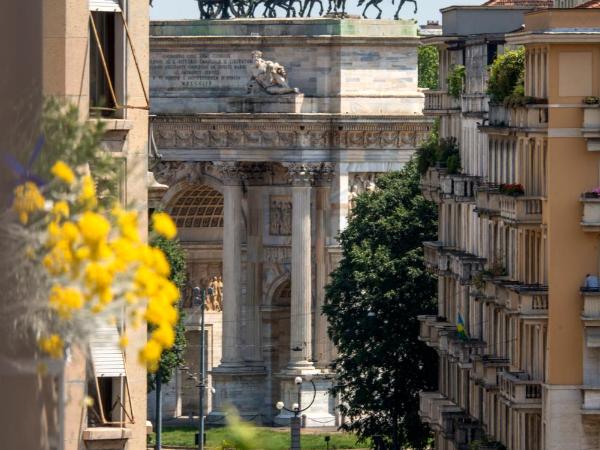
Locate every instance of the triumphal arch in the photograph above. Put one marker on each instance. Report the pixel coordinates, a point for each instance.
(265, 131)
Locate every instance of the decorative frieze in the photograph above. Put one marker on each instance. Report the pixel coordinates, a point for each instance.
(280, 215)
(279, 133)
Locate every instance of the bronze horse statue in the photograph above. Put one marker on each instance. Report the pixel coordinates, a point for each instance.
(224, 9)
(376, 3)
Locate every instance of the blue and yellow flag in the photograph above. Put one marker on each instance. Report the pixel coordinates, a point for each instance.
(460, 327)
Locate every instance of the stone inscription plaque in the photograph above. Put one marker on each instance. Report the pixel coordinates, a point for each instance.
(198, 72)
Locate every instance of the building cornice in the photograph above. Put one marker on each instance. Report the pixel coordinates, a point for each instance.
(158, 42)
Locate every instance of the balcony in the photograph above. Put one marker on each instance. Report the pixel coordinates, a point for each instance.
(426, 327)
(440, 102)
(487, 200)
(530, 301)
(485, 368)
(591, 308)
(458, 187)
(475, 104)
(590, 220)
(436, 258)
(464, 265)
(591, 127)
(520, 210)
(591, 401)
(427, 402)
(532, 118)
(430, 183)
(519, 389)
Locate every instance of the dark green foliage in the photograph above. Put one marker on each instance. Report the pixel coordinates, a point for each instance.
(456, 80)
(372, 305)
(428, 65)
(438, 152)
(77, 143)
(172, 358)
(507, 73)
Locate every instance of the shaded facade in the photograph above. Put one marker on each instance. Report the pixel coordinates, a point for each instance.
(512, 267)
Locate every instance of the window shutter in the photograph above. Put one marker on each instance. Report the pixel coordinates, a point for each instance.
(107, 356)
(105, 5)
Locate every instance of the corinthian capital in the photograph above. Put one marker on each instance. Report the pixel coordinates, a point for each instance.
(306, 174)
(231, 172)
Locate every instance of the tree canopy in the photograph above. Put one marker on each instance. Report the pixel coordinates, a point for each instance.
(372, 303)
(428, 66)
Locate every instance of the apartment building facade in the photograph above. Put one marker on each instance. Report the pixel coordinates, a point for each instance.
(95, 56)
(516, 241)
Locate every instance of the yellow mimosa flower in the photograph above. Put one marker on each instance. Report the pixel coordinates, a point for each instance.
(53, 345)
(28, 199)
(164, 225)
(63, 172)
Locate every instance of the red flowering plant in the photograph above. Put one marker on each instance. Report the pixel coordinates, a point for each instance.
(514, 190)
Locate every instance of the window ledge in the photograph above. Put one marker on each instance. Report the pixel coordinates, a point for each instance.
(115, 124)
(106, 433)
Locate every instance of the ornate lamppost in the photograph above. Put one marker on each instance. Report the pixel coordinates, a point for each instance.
(296, 421)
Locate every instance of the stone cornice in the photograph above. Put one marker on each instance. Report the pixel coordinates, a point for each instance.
(158, 42)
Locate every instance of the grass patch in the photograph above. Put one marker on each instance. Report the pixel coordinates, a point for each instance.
(266, 439)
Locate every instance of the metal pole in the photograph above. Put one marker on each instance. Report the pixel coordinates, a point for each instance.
(201, 295)
(158, 411)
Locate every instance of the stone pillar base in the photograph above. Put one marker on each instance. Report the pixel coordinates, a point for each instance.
(322, 411)
(240, 388)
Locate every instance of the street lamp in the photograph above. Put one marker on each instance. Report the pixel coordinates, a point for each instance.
(200, 297)
(296, 421)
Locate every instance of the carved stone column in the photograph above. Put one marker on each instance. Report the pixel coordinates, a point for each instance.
(232, 256)
(322, 342)
(301, 323)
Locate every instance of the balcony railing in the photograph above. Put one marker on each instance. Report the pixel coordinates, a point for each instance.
(430, 183)
(531, 117)
(521, 210)
(591, 303)
(591, 400)
(591, 127)
(474, 103)
(518, 388)
(436, 259)
(529, 300)
(426, 327)
(440, 102)
(427, 402)
(590, 220)
(464, 265)
(457, 186)
(487, 200)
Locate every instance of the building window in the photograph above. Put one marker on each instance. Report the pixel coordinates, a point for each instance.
(102, 63)
(492, 52)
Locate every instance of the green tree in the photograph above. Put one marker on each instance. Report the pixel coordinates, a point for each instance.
(172, 358)
(372, 303)
(507, 74)
(428, 65)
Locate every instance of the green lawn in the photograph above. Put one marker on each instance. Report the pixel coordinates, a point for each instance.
(266, 438)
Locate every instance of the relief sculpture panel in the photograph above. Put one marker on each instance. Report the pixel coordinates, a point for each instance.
(280, 215)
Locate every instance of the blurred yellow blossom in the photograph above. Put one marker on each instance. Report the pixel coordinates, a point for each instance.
(53, 345)
(61, 209)
(124, 341)
(150, 354)
(87, 195)
(164, 225)
(164, 335)
(94, 228)
(28, 199)
(65, 300)
(63, 172)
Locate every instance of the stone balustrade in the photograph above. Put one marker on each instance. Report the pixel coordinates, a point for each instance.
(426, 327)
(430, 183)
(440, 102)
(529, 300)
(474, 103)
(427, 402)
(487, 202)
(464, 265)
(518, 388)
(590, 220)
(520, 210)
(591, 129)
(457, 186)
(433, 251)
(524, 117)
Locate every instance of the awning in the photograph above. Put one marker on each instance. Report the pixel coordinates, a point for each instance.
(105, 5)
(106, 353)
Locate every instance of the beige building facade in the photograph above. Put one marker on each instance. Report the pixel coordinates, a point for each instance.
(513, 268)
(95, 56)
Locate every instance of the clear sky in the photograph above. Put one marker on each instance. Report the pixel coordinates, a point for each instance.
(428, 9)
